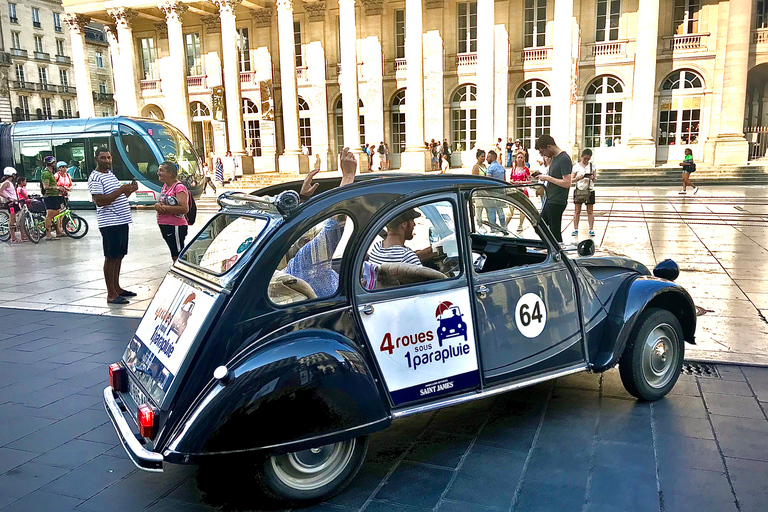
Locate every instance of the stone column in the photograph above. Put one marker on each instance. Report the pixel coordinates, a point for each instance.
(641, 148)
(561, 69)
(76, 24)
(415, 157)
(231, 68)
(731, 148)
(114, 52)
(486, 62)
(501, 85)
(291, 161)
(175, 77)
(348, 76)
(127, 76)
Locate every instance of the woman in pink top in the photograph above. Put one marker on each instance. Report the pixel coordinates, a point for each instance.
(172, 208)
(10, 200)
(520, 174)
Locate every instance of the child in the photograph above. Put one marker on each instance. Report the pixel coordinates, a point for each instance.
(688, 167)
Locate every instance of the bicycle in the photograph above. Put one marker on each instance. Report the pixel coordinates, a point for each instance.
(5, 226)
(34, 222)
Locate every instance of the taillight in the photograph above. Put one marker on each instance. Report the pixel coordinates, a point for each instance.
(118, 378)
(147, 416)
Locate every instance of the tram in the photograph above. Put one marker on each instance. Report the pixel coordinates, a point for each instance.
(138, 147)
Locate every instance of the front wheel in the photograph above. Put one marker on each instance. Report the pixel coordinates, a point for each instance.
(307, 476)
(653, 358)
(76, 226)
(31, 226)
(5, 226)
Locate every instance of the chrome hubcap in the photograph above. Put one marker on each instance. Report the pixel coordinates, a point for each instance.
(314, 468)
(660, 355)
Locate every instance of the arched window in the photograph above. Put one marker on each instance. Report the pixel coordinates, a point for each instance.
(199, 109)
(202, 130)
(533, 109)
(464, 117)
(603, 109)
(397, 115)
(305, 125)
(339, 115)
(680, 108)
(251, 127)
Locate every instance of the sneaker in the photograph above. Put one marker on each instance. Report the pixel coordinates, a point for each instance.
(575, 232)
(682, 192)
(591, 232)
(695, 189)
(519, 230)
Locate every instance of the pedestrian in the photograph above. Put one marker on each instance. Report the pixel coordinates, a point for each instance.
(51, 196)
(230, 167)
(584, 175)
(447, 150)
(64, 184)
(520, 175)
(113, 215)
(21, 193)
(10, 200)
(375, 159)
(172, 208)
(435, 157)
(689, 167)
(558, 183)
(499, 150)
(510, 152)
(445, 165)
(219, 171)
(519, 147)
(387, 156)
(495, 170)
(207, 178)
(479, 169)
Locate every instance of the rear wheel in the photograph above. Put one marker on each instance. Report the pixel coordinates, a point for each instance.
(75, 226)
(5, 226)
(307, 476)
(31, 226)
(653, 358)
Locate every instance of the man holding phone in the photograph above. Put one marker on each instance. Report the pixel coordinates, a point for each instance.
(113, 214)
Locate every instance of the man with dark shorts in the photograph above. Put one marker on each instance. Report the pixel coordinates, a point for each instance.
(51, 196)
(113, 214)
(558, 182)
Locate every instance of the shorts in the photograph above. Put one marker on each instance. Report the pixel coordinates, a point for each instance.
(53, 202)
(590, 199)
(11, 206)
(114, 240)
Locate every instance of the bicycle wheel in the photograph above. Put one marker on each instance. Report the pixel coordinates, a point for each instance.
(5, 226)
(31, 228)
(75, 226)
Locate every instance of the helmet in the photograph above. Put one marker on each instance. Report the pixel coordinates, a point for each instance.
(9, 171)
(49, 160)
(61, 164)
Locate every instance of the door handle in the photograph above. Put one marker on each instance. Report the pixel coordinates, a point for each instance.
(481, 291)
(365, 308)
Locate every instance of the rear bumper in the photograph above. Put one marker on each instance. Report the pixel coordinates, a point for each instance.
(143, 458)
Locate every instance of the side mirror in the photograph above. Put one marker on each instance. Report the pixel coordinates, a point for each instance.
(667, 269)
(586, 247)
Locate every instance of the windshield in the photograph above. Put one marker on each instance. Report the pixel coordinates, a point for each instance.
(175, 147)
(223, 242)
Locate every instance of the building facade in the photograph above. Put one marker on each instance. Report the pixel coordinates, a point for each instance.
(40, 72)
(637, 81)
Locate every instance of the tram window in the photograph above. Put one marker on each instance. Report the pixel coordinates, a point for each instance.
(139, 153)
(32, 154)
(72, 152)
(118, 168)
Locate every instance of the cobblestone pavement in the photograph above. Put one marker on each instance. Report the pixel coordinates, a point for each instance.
(577, 444)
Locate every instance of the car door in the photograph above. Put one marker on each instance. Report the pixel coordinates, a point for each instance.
(525, 297)
(414, 302)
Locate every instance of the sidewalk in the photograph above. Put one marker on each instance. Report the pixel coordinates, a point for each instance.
(577, 444)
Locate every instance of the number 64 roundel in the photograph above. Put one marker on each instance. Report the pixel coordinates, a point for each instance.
(530, 315)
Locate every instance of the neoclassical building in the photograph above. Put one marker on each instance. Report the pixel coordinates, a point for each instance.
(637, 81)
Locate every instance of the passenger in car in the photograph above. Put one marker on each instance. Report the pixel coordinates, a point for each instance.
(392, 249)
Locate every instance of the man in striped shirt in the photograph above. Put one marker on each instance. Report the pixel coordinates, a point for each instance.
(392, 249)
(113, 214)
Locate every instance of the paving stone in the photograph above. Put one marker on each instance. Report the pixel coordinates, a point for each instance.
(41, 500)
(675, 405)
(627, 429)
(674, 502)
(415, 485)
(493, 470)
(552, 465)
(712, 485)
(624, 455)
(47, 396)
(130, 497)
(725, 387)
(689, 452)
(728, 405)
(19, 426)
(388, 506)
(750, 482)
(730, 372)
(758, 380)
(440, 449)
(92, 477)
(675, 426)
(60, 432)
(169, 505)
(580, 381)
(67, 406)
(539, 497)
(27, 478)
(73, 453)
(629, 489)
(361, 488)
(742, 437)
(612, 407)
(10, 458)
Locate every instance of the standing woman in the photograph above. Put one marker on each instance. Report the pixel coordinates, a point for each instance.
(172, 208)
(479, 169)
(444, 165)
(219, 170)
(584, 176)
(386, 156)
(10, 199)
(64, 184)
(519, 174)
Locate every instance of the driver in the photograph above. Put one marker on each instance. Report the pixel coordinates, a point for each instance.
(392, 249)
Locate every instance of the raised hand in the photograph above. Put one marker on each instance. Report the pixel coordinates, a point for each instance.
(308, 188)
(348, 164)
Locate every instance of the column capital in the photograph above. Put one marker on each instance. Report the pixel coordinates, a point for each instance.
(262, 18)
(173, 10)
(111, 31)
(286, 5)
(226, 6)
(123, 16)
(212, 23)
(372, 7)
(316, 10)
(76, 22)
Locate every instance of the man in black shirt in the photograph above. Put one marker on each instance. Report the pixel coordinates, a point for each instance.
(558, 183)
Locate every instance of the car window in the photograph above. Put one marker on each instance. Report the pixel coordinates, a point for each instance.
(503, 236)
(416, 245)
(310, 268)
(223, 242)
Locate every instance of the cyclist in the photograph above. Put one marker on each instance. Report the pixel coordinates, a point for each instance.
(51, 196)
(64, 184)
(10, 199)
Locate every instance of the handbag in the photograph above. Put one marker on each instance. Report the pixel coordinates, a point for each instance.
(581, 196)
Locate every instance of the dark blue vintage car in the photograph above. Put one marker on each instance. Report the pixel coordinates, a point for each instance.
(286, 333)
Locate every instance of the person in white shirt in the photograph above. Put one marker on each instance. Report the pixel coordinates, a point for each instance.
(584, 193)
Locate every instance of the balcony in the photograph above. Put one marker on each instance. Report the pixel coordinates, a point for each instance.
(609, 49)
(686, 42)
(103, 96)
(151, 85)
(401, 66)
(760, 36)
(21, 84)
(45, 87)
(64, 59)
(66, 89)
(465, 60)
(5, 58)
(301, 74)
(18, 52)
(197, 82)
(536, 54)
(248, 79)
(14, 20)
(37, 24)
(42, 56)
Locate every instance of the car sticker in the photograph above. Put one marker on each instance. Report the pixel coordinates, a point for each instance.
(530, 315)
(425, 345)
